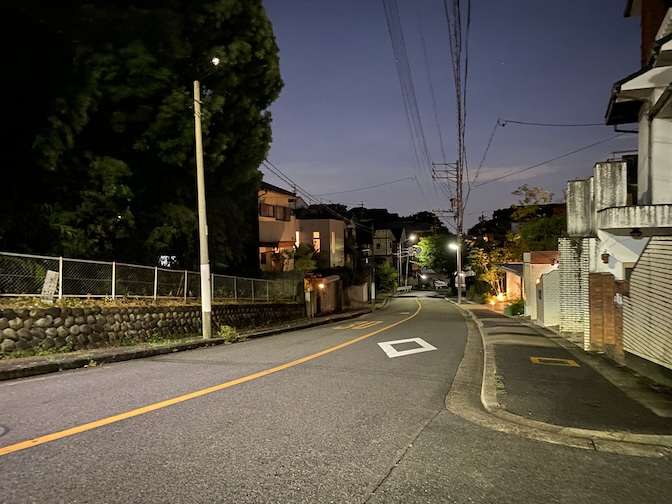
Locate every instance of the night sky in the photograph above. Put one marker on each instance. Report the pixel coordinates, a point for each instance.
(340, 122)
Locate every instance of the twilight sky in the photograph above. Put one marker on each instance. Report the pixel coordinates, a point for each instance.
(340, 122)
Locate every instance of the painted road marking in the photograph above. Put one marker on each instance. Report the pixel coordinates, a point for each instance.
(6, 450)
(388, 347)
(550, 361)
(363, 324)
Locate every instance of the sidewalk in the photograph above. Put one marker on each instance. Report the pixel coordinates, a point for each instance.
(538, 379)
(30, 366)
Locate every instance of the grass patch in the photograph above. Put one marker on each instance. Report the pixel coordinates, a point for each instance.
(229, 334)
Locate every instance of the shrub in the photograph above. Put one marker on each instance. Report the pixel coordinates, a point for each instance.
(386, 278)
(517, 307)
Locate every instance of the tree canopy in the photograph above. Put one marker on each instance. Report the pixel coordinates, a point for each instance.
(101, 152)
(436, 254)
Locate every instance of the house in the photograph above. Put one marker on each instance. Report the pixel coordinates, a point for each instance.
(615, 270)
(324, 227)
(278, 231)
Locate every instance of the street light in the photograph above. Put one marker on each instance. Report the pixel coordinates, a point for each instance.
(411, 238)
(460, 275)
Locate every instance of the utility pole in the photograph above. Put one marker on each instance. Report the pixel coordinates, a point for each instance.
(206, 300)
(373, 269)
(454, 172)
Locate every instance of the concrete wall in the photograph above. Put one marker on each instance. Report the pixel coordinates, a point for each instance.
(580, 208)
(624, 251)
(548, 299)
(531, 273)
(610, 185)
(654, 168)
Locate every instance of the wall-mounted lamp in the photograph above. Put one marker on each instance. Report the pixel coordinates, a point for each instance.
(605, 257)
(636, 233)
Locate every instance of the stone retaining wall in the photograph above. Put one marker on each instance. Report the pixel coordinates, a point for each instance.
(98, 327)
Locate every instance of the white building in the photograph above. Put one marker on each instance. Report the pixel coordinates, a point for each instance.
(616, 266)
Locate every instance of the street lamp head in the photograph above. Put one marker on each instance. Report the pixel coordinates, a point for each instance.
(412, 237)
(452, 246)
(215, 61)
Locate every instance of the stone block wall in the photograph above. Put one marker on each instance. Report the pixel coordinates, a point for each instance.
(100, 327)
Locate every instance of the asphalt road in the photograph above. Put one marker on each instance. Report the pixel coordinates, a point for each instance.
(317, 415)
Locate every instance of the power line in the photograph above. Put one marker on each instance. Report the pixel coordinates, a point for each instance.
(368, 187)
(548, 161)
(550, 125)
(276, 171)
(418, 140)
(487, 148)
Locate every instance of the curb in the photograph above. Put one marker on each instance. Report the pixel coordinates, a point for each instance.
(85, 358)
(622, 442)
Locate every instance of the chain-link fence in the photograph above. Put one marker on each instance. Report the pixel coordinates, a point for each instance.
(25, 275)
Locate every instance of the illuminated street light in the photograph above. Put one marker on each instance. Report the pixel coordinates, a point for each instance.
(459, 278)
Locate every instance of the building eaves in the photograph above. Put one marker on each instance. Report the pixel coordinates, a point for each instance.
(265, 186)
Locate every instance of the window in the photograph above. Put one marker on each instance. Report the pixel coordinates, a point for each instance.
(333, 242)
(283, 213)
(266, 210)
(377, 246)
(316, 240)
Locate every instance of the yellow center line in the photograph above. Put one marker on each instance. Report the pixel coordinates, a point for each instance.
(186, 397)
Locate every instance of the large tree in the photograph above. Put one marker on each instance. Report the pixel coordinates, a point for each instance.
(435, 253)
(102, 156)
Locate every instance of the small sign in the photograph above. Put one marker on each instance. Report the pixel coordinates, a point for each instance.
(49, 287)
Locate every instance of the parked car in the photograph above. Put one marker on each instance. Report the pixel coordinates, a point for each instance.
(440, 284)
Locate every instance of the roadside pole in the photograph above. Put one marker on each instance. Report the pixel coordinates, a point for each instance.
(206, 300)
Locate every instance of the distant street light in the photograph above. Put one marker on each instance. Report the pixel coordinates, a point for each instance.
(459, 278)
(411, 238)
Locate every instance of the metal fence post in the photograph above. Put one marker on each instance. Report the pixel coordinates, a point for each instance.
(156, 281)
(235, 288)
(60, 278)
(212, 286)
(252, 282)
(114, 279)
(268, 285)
(186, 278)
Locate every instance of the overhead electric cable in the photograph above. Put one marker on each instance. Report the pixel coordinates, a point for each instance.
(418, 139)
(487, 148)
(368, 187)
(548, 161)
(276, 171)
(550, 125)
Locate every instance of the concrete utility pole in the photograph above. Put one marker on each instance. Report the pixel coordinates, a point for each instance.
(206, 300)
(454, 171)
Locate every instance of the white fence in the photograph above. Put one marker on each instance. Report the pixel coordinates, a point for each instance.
(24, 275)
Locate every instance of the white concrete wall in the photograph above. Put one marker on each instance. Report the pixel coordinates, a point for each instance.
(623, 252)
(580, 208)
(548, 299)
(654, 166)
(610, 185)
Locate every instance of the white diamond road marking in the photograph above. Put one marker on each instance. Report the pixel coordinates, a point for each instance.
(388, 347)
